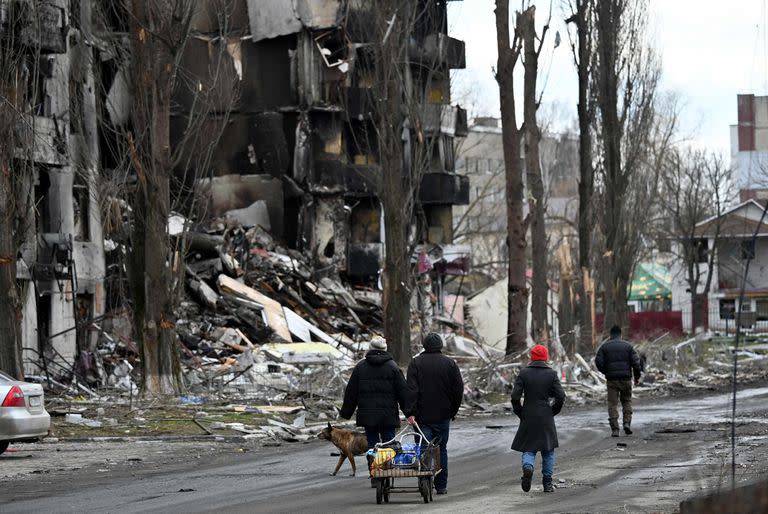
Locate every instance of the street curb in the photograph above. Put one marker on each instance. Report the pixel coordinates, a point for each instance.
(165, 439)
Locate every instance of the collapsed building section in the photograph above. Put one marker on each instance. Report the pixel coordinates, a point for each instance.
(299, 146)
(60, 267)
(273, 128)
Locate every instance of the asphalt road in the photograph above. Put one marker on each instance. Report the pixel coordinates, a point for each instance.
(680, 448)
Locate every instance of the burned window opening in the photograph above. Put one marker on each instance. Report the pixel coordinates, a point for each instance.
(42, 209)
(432, 19)
(361, 145)
(82, 202)
(365, 222)
(330, 250)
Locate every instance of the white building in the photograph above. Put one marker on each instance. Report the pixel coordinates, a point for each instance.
(734, 249)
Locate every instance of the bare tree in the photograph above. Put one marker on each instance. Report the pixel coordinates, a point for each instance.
(393, 24)
(626, 77)
(540, 329)
(517, 292)
(158, 175)
(158, 32)
(696, 186)
(18, 86)
(582, 48)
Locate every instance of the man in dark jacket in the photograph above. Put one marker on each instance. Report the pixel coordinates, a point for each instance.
(375, 389)
(618, 361)
(537, 433)
(438, 389)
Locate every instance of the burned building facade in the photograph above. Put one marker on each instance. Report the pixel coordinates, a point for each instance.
(60, 262)
(273, 117)
(299, 148)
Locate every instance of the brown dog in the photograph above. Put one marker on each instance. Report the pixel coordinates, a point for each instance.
(348, 442)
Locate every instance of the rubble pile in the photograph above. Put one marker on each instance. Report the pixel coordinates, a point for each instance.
(262, 330)
(256, 321)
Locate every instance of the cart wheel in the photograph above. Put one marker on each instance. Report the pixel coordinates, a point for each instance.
(386, 488)
(379, 491)
(423, 489)
(431, 483)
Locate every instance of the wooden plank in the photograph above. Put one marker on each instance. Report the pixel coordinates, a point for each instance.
(273, 310)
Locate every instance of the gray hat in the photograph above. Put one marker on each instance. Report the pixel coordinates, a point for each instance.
(378, 343)
(432, 342)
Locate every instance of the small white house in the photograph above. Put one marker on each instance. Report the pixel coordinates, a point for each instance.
(737, 246)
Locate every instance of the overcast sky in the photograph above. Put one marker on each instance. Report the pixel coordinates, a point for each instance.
(711, 51)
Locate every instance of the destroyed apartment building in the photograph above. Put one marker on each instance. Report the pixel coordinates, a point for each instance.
(298, 152)
(61, 265)
(284, 89)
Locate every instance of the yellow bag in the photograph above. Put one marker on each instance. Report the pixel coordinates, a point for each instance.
(383, 458)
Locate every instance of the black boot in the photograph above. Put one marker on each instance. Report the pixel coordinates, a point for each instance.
(525, 482)
(627, 424)
(548, 487)
(614, 427)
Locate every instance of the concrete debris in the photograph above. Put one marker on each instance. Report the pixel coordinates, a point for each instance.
(78, 419)
(303, 353)
(254, 215)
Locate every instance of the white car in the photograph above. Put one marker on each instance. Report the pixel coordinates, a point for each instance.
(23, 417)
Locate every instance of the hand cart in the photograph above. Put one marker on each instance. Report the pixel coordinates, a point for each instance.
(420, 460)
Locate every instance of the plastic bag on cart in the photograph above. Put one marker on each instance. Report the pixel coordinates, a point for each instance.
(408, 456)
(381, 458)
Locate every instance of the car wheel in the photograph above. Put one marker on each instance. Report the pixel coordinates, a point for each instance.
(3, 446)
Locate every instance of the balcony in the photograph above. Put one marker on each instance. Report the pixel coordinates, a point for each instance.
(440, 49)
(351, 180)
(444, 189)
(448, 120)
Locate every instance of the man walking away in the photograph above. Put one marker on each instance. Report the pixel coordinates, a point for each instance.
(618, 361)
(375, 389)
(438, 389)
(538, 383)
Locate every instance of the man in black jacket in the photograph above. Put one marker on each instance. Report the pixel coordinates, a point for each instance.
(618, 361)
(376, 388)
(538, 383)
(438, 389)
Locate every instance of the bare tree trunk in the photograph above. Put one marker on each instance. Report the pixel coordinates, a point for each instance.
(616, 278)
(586, 170)
(396, 193)
(152, 71)
(517, 292)
(540, 329)
(10, 303)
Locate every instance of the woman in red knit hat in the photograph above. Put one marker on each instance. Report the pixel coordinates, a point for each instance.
(538, 383)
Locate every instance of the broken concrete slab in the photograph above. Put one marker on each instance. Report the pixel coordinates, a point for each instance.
(254, 215)
(205, 293)
(78, 419)
(305, 331)
(230, 192)
(489, 314)
(273, 311)
(302, 353)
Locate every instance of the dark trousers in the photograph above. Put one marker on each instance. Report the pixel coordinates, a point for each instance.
(378, 435)
(619, 391)
(431, 431)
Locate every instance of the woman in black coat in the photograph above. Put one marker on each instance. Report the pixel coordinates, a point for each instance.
(537, 433)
